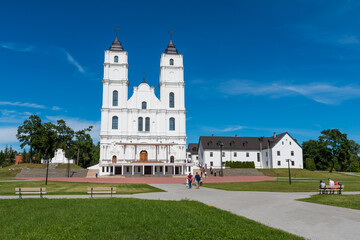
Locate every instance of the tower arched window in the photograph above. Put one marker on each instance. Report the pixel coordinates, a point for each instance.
(115, 122)
(140, 124)
(171, 100)
(116, 59)
(143, 105)
(171, 62)
(172, 124)
(147, 124)
(115, 98)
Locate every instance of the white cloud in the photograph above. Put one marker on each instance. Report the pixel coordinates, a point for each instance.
(72, 61)
(20, 104)
(56, 108)
(78, 124)
(8, 135)
(10, 116)
(226, 129)
(320, 92)
(18, 47)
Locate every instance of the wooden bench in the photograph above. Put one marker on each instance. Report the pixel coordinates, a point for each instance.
(328, 189)
(25, 191)
(101, 190)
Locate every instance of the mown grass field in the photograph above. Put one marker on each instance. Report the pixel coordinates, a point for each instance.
(11, 171)
(302, 181)
(125, 219)
(346, 201)
(73, 188)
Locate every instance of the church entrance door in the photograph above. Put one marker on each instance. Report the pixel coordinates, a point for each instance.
(143, 156)
(114, 159)
(147, 170)
(176, 170)
(117, 170)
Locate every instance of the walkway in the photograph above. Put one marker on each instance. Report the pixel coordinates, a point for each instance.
(154, 180)
(277, 210)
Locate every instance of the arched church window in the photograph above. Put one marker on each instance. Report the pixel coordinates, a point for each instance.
(171, 62)
(143, 105)
(115, 122)
(147, 124)
(140, 124)
(172, 124)
(172, 159)
(115, 98)
(171, 100)
(116, 59)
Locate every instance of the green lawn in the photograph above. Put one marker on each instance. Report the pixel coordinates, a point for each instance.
(346, 201)
(297, 185)
(71, 188)
(303, 173)
(125, 219)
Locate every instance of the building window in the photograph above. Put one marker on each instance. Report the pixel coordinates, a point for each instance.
(292, 153)
(235, 154)
(247, 154)
(127, 169)
(138, 169)
(147, 124)
(258, 157)
(116, 59)
(223, 154)
(103, 169)
(166, 169)
(292, 163)
(278, 153)
(172, 159)
(290, 143)
(107, 169)
(143, 105)
(115, 122)
(211, 164)
(171, 62)
(115, 98)
(279, 163)
(265, 153)
(282, 142)
(197, 157)
(211, 154)
(160, 169)
(172, 124)
(171, 100)
(140, 124)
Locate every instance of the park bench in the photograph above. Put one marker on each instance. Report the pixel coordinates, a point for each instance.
(331, 189)
(26, 191)
(101, 190)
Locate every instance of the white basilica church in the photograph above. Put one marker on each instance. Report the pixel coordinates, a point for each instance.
(142, 134)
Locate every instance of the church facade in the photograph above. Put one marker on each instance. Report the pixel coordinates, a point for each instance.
(142, 134)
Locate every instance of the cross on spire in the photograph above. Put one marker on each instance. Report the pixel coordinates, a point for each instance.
(116, 29)
(143, 77)
(171, 33)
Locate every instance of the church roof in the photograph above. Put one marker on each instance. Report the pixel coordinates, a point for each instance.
(241, 143)
(116, 45)
(171, 49)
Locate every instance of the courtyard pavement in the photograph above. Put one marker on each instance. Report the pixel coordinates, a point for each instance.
(274, 209)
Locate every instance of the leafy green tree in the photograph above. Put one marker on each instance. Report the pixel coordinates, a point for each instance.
(64, 134)
(317, 151)
(310, 164)
(7, 157)
(83, 144)
(29, 134)
(338, 145)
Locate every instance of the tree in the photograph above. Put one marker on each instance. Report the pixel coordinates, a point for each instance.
(64, 134)
(338, 145)
(83, 144)
(29, 133)
(318, 152)
(310, 164)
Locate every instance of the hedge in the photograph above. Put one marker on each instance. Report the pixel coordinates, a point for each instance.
(232, 164)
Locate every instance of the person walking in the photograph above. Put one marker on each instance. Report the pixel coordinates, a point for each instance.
(205, 173)
(197, 179)
(189, 178)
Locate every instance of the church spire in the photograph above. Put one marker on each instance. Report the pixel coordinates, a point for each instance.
(116, 44)
(171, 49)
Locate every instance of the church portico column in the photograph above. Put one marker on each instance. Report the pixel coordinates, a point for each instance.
(153, 169)
(132, 169)
(122, 169)
(164, 169)
(143, 170)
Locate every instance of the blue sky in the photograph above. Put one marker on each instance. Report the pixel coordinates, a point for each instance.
(251, 67)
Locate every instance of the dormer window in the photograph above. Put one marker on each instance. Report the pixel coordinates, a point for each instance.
(143, 105)
(171, 62)
(116, 59)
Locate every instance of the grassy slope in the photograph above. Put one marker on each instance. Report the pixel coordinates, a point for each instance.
(346, 201)
(305, 181)
(70, 188)
(11, 171)
(125, 219)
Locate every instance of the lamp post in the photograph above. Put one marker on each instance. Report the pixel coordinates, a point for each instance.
(68, 167)
(47, 170)
(289, 160)
(221, 144)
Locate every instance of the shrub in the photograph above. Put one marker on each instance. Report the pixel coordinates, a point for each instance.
(232, 164)
(310, 164)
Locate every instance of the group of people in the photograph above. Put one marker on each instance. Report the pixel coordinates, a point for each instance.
(197, 178)
(331, 183)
